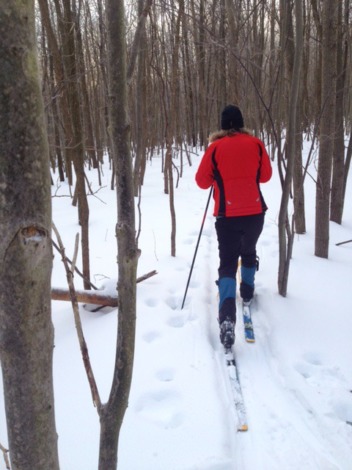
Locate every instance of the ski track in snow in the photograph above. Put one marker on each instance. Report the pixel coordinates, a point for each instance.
(288, 419)
(281, 417)
(181, 415)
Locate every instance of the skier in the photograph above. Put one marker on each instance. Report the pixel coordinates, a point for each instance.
(235, 163)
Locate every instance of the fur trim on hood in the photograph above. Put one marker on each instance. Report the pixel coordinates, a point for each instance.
(227, 133)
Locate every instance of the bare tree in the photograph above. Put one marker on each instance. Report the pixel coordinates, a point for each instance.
(26, 330)
(171, 125)
(112, 413)
(299, 223)
(337, 187)
(327, 127)
(65, 67)
(76, 148)
(141, 99)
(285, 244)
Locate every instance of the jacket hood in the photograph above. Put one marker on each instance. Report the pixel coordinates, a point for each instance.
(227, 133)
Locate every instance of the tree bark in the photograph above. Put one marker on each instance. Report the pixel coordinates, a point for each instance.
(285, 246)
(299, 225)
(141, 95)
(112, 413)
(327, 128)
(26, 330)
(171, 127)
(66, 77)
(76, 148)
(337, 192)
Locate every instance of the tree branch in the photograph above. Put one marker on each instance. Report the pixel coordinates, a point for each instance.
(73, 267)
(6, 457)
(78, 323)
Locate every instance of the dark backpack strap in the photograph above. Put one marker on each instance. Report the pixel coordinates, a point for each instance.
(264, 206)
(220, 184)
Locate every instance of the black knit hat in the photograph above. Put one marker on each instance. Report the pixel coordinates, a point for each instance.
(231, 118)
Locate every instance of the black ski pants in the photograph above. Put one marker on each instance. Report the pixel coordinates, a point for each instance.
(237, 237)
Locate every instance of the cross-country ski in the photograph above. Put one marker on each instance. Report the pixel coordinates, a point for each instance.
(236, 390)
(247, 322)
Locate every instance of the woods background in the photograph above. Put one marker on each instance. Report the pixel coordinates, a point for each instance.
(187, 59)
(124, 81)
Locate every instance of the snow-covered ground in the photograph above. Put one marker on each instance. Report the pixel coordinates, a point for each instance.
(296, 377)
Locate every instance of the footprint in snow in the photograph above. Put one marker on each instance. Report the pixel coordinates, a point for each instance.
(342, 406)
(193, 233)
(312, 358)
(172, 302)
(304, 369)
(330, 384)
(151, 336)
(207, 233)
(309, 366)
(265, 242)
(161, 407)
(194, 284)
(166, 375)
(180, 268)
(177, 321)
(152, 302)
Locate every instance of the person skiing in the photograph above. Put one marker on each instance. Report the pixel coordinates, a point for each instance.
(235, 163)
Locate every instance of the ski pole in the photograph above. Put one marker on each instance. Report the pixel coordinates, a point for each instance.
(195, 252)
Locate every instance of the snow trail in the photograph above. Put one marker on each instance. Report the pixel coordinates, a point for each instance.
(286, 428)
(296, 378)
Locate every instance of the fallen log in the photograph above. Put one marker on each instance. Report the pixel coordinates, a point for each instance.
(85, 296)
(96, 297)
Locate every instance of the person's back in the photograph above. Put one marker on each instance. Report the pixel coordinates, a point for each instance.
(235, 163)
(238, 162)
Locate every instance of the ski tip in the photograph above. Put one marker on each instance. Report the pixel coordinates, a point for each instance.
(243, 428)
(250, 340)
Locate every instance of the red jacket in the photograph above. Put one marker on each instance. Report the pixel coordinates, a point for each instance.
(235, 165)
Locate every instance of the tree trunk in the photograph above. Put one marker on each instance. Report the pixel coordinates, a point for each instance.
(190, 86)
(26, 330)
(298, 179)
(327, 128)
(66, 76)
(285, 246)
(171, 126)
(141, 94)
(199, 31)
(317, 106)
(76, 145)
(87, 129)
(299, 224)
(347, 164)
(337, 192)
(112, 413)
